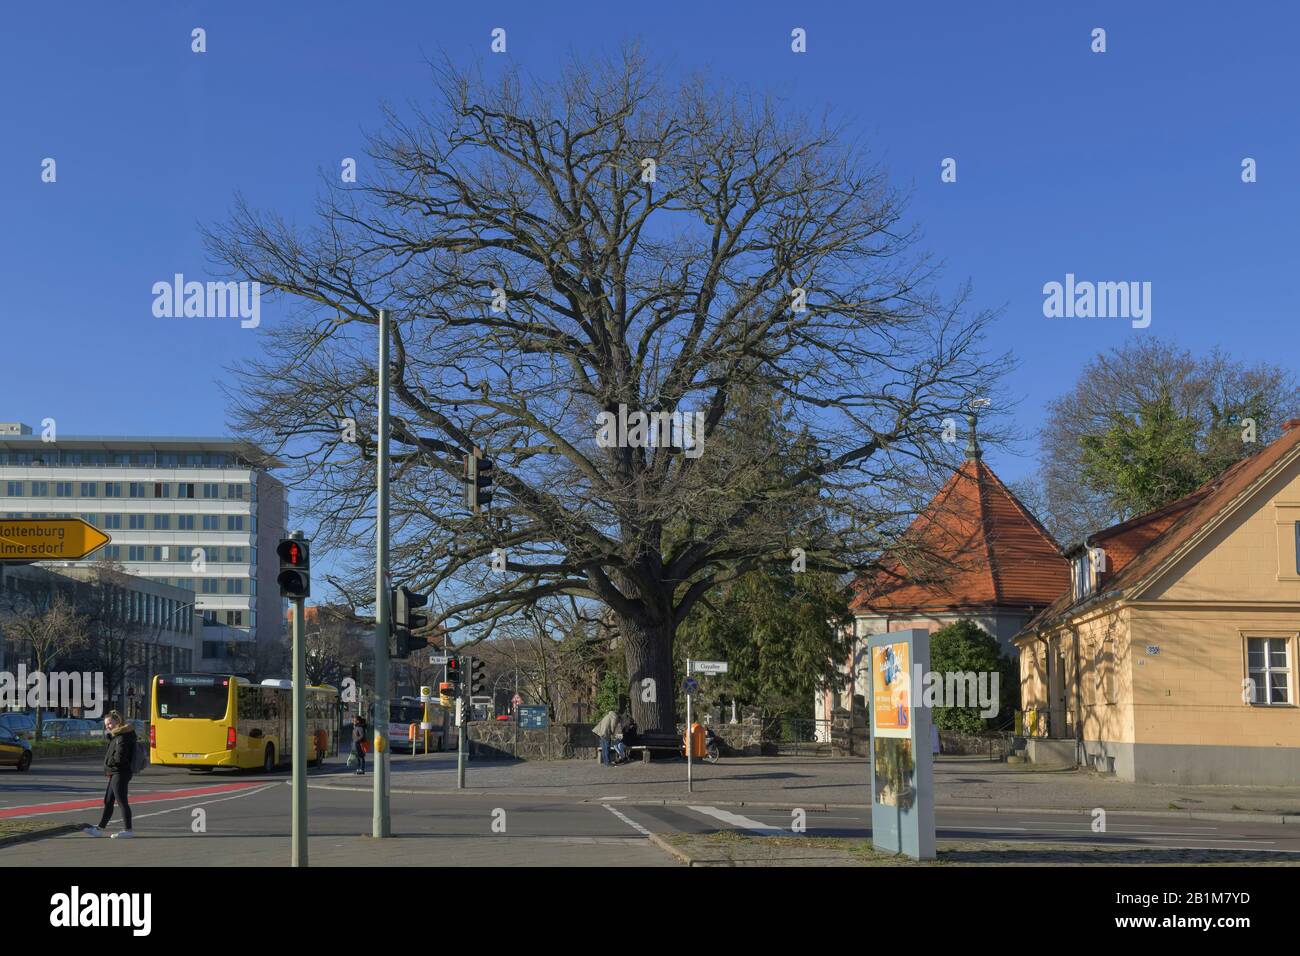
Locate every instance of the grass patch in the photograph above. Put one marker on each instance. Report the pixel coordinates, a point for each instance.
(15, 827)
(67, 748)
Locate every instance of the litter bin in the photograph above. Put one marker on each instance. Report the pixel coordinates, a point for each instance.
(695, 740)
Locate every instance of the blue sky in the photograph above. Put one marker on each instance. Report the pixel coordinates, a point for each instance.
(1116, 166)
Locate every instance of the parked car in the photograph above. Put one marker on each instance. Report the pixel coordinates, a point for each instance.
(14, 751)
(70, 728)
(19, 724)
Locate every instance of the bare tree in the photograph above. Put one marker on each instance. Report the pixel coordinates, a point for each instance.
(48, 625)
(560, 256)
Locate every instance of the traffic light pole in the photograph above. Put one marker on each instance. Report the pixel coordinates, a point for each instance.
(299, 729)
(381, 825)
(462, 733)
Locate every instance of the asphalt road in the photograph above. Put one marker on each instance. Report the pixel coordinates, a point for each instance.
(224, 818)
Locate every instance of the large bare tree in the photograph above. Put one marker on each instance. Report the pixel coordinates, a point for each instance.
(608, 242)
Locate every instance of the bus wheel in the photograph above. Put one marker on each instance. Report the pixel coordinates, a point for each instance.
(269, 763)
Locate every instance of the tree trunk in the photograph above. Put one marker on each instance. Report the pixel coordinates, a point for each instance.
(648, 650)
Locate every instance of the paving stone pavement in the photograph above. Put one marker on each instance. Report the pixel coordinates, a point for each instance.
(812, 781)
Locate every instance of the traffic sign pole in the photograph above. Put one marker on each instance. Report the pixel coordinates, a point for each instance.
(689, 763)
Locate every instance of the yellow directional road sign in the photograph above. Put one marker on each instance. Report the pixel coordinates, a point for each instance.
(48, 539)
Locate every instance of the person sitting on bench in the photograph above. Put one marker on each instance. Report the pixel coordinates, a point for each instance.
(630, 738)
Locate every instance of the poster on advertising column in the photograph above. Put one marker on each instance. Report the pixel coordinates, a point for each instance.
(902, 769)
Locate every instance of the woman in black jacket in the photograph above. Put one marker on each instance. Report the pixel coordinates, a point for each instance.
(117, 767)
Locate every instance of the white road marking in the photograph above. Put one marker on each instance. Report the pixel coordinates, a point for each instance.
(190, 806)
(736, 820)
(628, 820)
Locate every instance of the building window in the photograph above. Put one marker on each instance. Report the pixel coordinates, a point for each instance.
(113, 552)
(14, 489)
(1268, 667)
(184, 490)
(211, 523)
(210, 585)
(112, 489)
(40, 489)
(63, 489)
(162, 489)
(235, 555)
(162, 522)
(235, 618)
(235, 491)
(137, 489)
(211, 490)
(185, 522)
(135, 552)
(234, 585)
(234, 522)
(92, 520)
(88, 489)
(135, 522)
(113, 522)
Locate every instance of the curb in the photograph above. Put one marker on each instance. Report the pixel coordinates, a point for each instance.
(678, 855)
(1223, 816)
(40, 834)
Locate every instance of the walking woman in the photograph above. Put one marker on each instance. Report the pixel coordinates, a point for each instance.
(117, 767)
(358, 743)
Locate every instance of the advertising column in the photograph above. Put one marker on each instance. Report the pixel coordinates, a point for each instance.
(902, 767)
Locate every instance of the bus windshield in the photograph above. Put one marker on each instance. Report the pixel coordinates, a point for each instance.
(405, 713)
(205, 700)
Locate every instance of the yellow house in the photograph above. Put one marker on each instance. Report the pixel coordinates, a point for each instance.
(1172, 658)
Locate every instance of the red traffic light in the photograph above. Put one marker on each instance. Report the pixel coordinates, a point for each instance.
(292, 553)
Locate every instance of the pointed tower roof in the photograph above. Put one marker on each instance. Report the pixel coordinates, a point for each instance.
(975, 546)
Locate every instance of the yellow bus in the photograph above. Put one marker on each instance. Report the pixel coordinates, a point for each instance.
(204, 721)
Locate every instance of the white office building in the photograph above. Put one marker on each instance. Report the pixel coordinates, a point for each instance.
(202, 514)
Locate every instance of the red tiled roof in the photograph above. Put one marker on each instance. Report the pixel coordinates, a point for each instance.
(1138, 547)
(992, 553)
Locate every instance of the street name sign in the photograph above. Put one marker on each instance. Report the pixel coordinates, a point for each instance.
(438, 659)
(48, 539)
(710, 667)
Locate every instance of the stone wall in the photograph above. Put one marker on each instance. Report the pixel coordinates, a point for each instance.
(992, 746)
(850, 735)
(496, 739)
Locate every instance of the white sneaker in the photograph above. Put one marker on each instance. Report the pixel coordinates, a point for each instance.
(93, 831)
(125, 834)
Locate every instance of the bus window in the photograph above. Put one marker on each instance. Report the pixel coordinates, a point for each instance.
(204, 702)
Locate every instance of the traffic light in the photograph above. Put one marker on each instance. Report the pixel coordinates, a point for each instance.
(478, 481)
(295, 568)
(405, 620)
(477, 676)
(453, 674)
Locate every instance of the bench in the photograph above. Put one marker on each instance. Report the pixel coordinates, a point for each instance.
(652, 742)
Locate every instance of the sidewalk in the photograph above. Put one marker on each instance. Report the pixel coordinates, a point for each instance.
(816, 782)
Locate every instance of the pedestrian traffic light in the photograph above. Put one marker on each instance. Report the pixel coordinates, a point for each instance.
(405, 620)
(453, 673)
(477, 676)
(295, 568)
(478, 480)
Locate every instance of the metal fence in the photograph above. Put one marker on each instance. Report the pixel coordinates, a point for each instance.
(797, 736)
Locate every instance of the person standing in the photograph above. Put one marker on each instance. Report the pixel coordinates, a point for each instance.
(358, 743)
(117, 767)
(606, 730)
